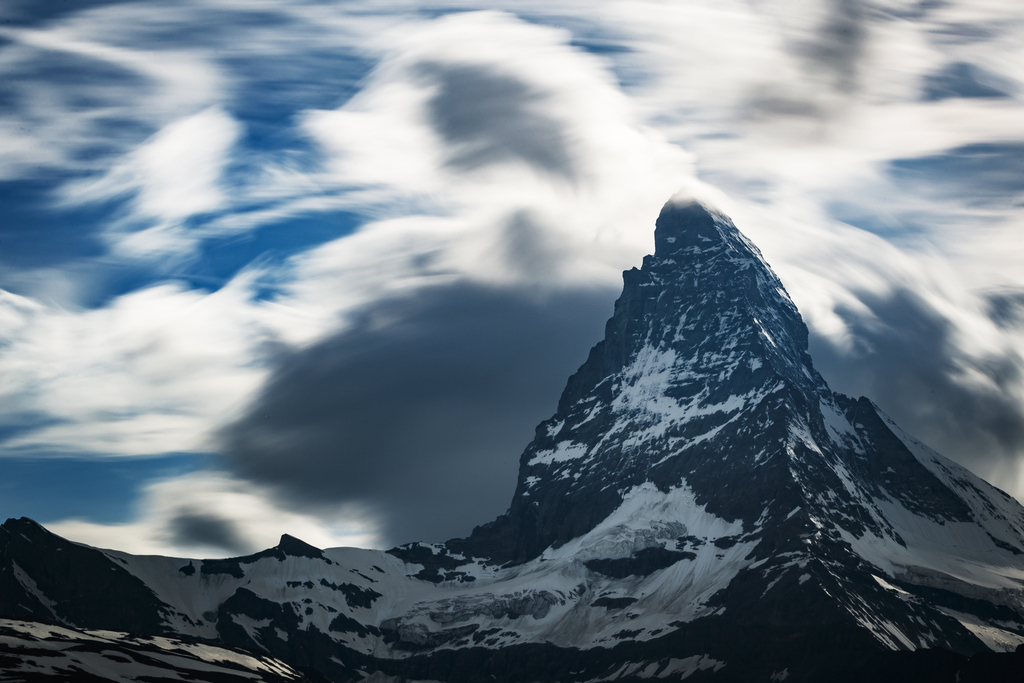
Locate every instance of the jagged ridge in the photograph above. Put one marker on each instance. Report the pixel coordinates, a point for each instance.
(701, 504)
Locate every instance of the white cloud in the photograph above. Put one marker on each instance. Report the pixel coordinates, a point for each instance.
(50, 129)
(594, 210)
(159, 369)
(175, 174)
(150, 373)
(208, 514)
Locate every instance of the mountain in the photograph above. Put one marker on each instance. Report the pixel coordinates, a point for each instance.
(33, 651)
(700, 506)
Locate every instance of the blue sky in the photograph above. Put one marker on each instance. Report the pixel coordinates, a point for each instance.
(318, 268)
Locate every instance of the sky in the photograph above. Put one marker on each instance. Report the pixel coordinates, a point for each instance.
(320, 268)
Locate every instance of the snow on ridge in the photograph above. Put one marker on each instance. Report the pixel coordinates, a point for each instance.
(644, 391)
(29, 584)
(562, 452)
(902, 540)
(956, 556)
(558, 587)
(997, 639)
(679, 669)
(70, 653)
(1005, 521)
(839, 428)
(644, 508)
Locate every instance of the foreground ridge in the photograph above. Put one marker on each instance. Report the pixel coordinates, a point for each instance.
(700, 506)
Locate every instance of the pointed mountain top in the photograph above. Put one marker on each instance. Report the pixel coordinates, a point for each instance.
(25, 525)
(684, 224)
(703, 381)
(705, 349)
(298, 548)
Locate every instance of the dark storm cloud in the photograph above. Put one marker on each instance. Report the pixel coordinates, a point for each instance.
(489, 117)
(419, 411)
(193, 527)
(979, 174)
(961, 79)
(906, 358)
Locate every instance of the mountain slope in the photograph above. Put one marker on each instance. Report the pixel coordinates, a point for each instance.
(701, 505)
(30, 651)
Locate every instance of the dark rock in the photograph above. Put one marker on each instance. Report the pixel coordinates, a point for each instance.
(290, 545)
(641, 563)
(231, 567)
(354, 595)
(83, 585)
(613, 603)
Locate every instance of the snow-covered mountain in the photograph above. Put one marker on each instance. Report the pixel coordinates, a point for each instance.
(701, 505)
(30, 651)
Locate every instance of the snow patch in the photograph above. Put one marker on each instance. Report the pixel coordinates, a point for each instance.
(29, 584)
(645, 510)
(564, 451)
(997, 639)
(685, 668)
(888, 586)
(839, 428)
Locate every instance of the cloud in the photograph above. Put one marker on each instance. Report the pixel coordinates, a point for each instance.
(981, 173)
(839, 42)
(486, 117)
(1006, 308)
(175, 174)
(147, 374)
(487, 93)
(961, 79)
(912, 358)
(420, 410)
(80, 98)
(196, 527)
(159, 368)
(211, 514)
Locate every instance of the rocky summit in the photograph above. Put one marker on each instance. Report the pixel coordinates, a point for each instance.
(701, 506)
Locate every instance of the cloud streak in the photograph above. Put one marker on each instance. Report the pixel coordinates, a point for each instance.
(174, 175)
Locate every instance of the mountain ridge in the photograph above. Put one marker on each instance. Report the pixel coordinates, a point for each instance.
(701, 505)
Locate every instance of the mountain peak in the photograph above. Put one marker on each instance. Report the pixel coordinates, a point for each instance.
(684, 224)
(700, 501)
(25, 525)
(704, 381)
(703, 333)
(295, 547)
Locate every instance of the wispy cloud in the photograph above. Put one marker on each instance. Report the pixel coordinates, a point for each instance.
(148, 374)
(174, 175)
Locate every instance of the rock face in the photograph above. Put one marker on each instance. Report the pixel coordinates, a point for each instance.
(700, 506)
(30, 651)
